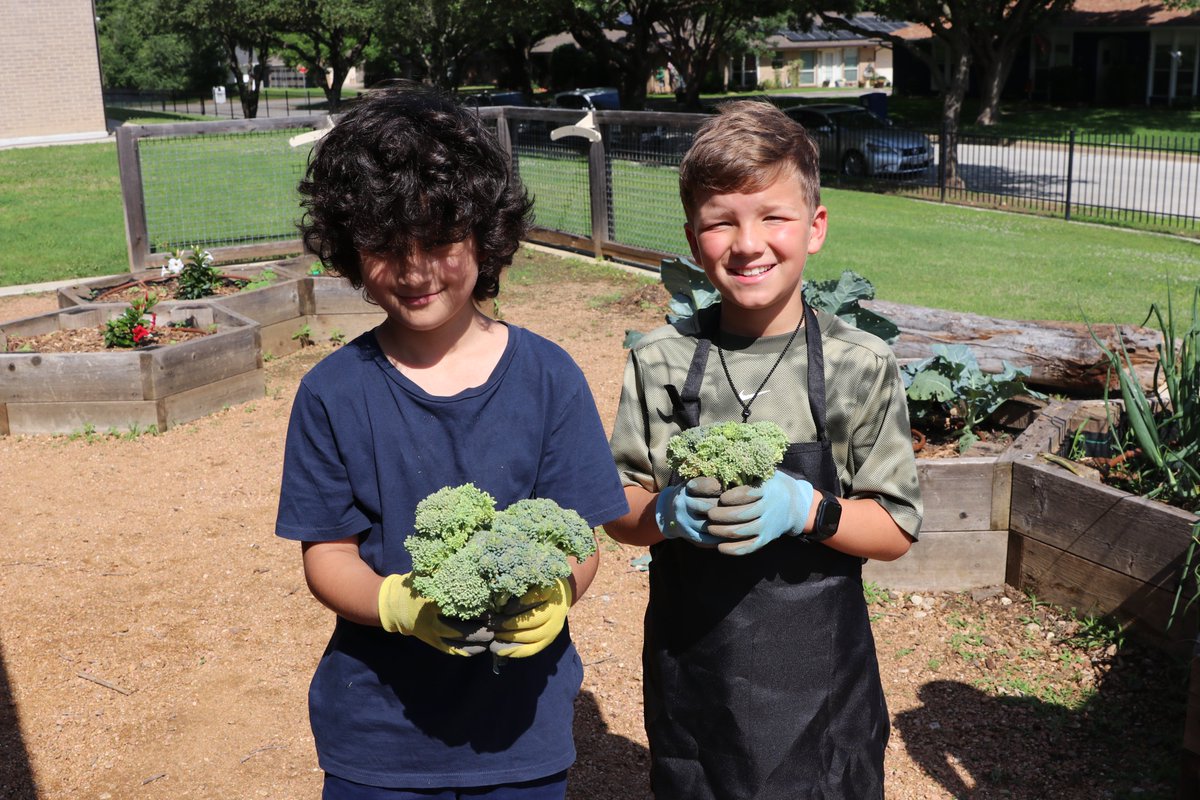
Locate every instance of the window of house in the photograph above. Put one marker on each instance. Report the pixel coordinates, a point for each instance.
(744, 70)
(850, 65)
(1163, 62)
(1185, 74)
(808, 68)
(777, 61)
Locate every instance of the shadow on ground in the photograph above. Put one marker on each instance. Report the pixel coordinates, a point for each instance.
(16, 775)
(608, 766)
(1124, 742)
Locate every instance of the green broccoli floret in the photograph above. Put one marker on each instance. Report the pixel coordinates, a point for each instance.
(735, 453)
(546, 521)
(445, 520)
(469, 572)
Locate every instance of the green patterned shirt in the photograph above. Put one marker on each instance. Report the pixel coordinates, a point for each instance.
(866, 417)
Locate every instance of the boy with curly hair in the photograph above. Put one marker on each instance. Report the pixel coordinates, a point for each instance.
(411, 198)
(761, 678)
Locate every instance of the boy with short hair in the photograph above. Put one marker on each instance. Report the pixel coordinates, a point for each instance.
(761, 679)
(411, 198)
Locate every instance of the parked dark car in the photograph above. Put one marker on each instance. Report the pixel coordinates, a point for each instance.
(479, 99)
(599, 99)
(859, 144)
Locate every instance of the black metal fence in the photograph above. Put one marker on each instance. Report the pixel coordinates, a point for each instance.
(295, 102)
(618, 196)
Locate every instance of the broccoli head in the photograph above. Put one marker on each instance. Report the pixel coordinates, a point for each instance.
(735, 453)
(445, 520)
(471, 572)
(546, 521)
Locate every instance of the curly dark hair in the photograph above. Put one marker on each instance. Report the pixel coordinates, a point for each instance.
(409, 167)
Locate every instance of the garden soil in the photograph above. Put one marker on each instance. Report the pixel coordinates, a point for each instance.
(156, 639)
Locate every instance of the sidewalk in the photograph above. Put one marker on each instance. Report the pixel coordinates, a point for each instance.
(35, 288)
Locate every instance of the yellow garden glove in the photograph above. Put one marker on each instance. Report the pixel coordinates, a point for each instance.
(533, 622)
(403, 610)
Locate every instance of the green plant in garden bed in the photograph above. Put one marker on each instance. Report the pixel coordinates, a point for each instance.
(198, 276)
(135, 327)
(1162, 434)
(949, 389)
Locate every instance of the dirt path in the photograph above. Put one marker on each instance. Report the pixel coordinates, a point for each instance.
(157, 640)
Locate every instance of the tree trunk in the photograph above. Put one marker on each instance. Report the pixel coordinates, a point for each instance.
(952, 102)
(1063, 356)
(995, 75)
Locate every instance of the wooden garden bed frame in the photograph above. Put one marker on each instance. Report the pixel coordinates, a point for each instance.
(160, 386)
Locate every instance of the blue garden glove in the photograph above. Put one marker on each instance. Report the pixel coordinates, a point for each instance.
(403, 610)
(681, 511)
(528, 625)
(749, 517)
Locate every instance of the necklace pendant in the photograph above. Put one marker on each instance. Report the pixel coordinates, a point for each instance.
(746, 414)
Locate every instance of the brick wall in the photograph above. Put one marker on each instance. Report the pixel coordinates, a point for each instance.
(51, 85)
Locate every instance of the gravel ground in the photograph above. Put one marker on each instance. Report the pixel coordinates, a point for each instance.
(158, 640)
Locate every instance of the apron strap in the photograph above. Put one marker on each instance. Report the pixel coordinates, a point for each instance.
(816, 371)
(687, 403)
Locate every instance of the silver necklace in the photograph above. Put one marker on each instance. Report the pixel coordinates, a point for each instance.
(745, 404)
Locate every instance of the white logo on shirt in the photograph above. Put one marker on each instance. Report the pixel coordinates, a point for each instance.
(746, 397)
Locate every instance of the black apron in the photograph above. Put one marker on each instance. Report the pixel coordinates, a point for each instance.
(761, 681)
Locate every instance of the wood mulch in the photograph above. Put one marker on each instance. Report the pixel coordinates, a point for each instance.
(91, 340)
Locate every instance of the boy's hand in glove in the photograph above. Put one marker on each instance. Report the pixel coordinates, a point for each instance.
(528, 625)
(403, 610)
(752, 516)
(681, 511)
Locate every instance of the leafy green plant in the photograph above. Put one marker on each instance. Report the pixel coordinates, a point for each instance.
(304, 335)
(336, 337)
(842, 297)
(199, 277)
(1163, 432)
(135, 327)
(950, 389)
(264, 279)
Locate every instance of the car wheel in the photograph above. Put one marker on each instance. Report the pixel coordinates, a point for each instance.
(854, 165)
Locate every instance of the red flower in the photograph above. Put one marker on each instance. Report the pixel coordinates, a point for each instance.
(139, 332)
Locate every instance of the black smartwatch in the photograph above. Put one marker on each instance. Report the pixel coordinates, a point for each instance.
(829, 514)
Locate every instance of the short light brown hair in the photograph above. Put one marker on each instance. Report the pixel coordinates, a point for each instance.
(745, 147)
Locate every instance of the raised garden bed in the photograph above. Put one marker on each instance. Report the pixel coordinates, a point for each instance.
(159, 386)
(296, 310)
(1100, 550)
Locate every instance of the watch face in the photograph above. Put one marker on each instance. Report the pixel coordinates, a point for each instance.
(829, 514)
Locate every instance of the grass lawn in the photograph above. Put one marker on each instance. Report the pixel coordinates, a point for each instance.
(60, 213)
(60, 217)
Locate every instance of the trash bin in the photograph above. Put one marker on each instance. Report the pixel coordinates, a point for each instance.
(876, 103)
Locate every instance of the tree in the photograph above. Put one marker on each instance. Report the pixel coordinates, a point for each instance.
(630, 54)
(517, 27)
(135, 53)
(441, 35)
(245, 29)
(698, 31)
(987, 31)
(329, 38)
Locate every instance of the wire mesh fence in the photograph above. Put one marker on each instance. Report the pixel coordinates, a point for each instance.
(217, 185)
(231, 186)
(221, 190)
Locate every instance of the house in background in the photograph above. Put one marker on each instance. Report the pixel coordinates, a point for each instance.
(821, 57)
(1113, 52)
(1101, 52)
(51, 90)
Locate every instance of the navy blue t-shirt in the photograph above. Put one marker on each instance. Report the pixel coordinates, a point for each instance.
(364, 446)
